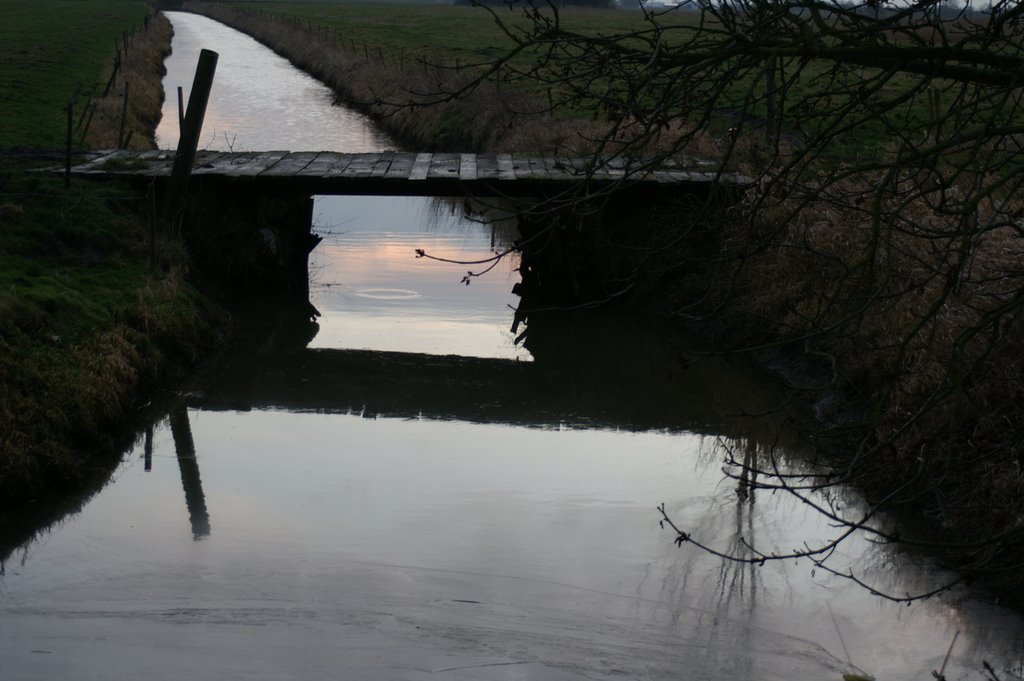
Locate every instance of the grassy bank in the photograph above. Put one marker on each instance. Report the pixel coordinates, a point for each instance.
(916, 328)
(86, 325)
(41, 70)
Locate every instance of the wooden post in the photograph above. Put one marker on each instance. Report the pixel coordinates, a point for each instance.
(70, 141)
(88, 122)
(188, 143)
(148, 451)
(67, 165)
(124, 118)
(181, 112)
(113, 74)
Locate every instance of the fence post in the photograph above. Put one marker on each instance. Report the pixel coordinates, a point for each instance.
(188, 143)
(67, 163)
(70, 140)
(121, 143)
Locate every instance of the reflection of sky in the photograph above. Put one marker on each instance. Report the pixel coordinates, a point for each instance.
(552, 532)
(374, 293)
(259, 102)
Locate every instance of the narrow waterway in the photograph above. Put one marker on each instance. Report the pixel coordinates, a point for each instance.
(411, 494)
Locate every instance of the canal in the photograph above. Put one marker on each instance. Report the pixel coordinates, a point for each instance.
(402, 491)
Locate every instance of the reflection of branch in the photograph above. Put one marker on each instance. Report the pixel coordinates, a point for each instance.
(493, 260)
(817, 556)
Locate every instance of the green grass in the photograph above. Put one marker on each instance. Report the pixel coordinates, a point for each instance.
(468, 34)
(85, 324)
(47, 49)
(66, 261)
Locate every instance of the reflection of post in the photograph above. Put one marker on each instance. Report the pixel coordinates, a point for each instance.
(189, 465)
(148, 460)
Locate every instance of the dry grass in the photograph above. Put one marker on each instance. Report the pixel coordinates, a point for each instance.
(923, 330)
(141, 69)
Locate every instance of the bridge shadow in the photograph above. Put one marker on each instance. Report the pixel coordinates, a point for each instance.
(614, 371)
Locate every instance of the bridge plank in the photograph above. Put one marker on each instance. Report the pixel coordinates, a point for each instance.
(315, 167)
(361, 166)
(248, 164)
(444, 166)
(380, 168)
(219, 165)
(264, 162)
(338, 163)
(486, 167)
(506, 167)
(529, 168)
(206, 158)
(291, 165)
(97, 164)
(467, 167)
(152, 162)
(320, 165)
(524, 170)
(552, 168)
(574, 168)
(105, 163)
(401, 167)
(421, 168)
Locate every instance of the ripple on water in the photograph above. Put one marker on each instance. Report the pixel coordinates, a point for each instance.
(386, 293)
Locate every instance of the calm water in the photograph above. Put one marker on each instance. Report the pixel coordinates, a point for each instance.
(466, 508)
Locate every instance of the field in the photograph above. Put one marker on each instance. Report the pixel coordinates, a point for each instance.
(41, 68)
(450, 32)
(411, 36)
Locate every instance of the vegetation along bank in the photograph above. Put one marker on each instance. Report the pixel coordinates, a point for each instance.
(880, 239)
(90, 327)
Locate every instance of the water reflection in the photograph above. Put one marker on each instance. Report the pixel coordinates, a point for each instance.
(611, 370)
(188, 464)
(259, 101)
(375, 293)
(415, 528)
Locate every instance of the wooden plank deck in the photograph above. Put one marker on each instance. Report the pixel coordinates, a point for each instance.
(400, 173)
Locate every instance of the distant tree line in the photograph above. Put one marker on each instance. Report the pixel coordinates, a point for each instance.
(598, 4)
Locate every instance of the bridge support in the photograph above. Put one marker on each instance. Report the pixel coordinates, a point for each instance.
(632, 248)
(252, 245)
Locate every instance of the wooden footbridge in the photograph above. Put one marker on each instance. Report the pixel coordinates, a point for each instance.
(412, 174)
(249, 222)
